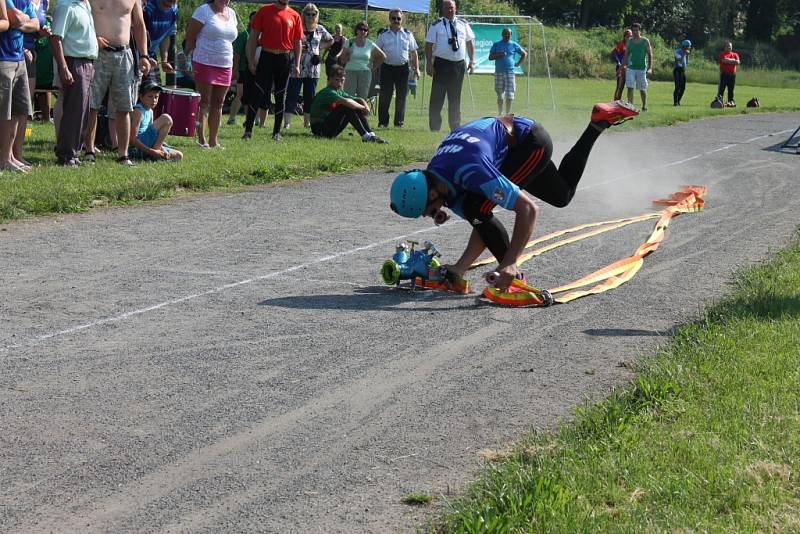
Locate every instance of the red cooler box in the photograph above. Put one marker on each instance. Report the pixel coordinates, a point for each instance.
(182, 105)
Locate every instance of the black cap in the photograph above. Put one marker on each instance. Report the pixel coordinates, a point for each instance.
(149, 85)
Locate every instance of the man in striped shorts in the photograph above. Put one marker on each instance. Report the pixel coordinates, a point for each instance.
(504, 53)
(494, 161)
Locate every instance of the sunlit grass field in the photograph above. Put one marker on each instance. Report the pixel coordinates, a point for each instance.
(51, 189)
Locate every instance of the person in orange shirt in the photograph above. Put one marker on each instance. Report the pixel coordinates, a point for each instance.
(728, 59)
(278, 30)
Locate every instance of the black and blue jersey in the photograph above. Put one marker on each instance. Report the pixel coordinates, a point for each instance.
(469, 161)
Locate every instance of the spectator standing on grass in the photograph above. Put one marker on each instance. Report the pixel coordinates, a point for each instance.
(148, 135)
(401, 61)
(74, 45)
(639, 62)
(315, 39)
(15, 100)
(728, 60)
(40, 8)
(618, 54)
(240, 71)
(277, 28)
(679, 71)
(161, 21)
(115, 70)
(503, 53)
(334, 108)
(209, 37)
(332, 54)
(360, 57)
(448, 44)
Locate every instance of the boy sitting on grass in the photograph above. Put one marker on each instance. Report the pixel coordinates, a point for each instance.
(148, 135)
(333, 109)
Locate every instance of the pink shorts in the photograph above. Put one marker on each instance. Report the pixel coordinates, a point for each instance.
(212, 75)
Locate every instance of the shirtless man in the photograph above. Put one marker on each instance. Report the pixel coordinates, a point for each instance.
(114, 69)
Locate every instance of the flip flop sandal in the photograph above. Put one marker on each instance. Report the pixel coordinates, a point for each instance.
(126, 160)
(89, 157)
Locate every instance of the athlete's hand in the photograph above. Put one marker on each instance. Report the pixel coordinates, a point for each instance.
(507, 275)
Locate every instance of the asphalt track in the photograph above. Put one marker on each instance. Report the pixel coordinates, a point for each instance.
(232, 362)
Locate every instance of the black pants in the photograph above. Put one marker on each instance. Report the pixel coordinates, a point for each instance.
(394, 78)
(272, 73)
(529, 166)
(172, 51)
(620, 83)
(75, 100)
(337, 121)
(448, 77)
(726, 79)
(679, 77)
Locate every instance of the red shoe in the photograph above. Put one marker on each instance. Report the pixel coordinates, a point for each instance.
(613, 112)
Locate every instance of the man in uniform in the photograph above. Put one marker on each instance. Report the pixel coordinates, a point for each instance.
(400, 47)
(277, 28)
(448, 44)
(488, 162)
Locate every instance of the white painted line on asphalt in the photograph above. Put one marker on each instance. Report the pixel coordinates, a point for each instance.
(141, 311)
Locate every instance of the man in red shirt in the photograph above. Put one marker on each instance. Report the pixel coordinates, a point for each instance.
(728, 59)
(617, 53)
(278, 30)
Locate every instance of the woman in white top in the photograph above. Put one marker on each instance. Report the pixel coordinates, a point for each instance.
(209, 38)
(360, 59)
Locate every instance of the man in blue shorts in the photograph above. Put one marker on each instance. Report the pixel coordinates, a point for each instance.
(487, 163)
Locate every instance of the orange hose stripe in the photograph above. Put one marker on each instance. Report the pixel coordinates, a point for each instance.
(559, 233)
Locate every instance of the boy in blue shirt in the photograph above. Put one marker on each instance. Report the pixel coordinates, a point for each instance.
(490, 162)
(148, 135)
(503, 53)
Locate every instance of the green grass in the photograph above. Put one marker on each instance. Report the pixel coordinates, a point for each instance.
(706, 438)
(51, 189)
(417, 499)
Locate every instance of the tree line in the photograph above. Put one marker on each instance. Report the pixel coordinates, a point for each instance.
(773, 21)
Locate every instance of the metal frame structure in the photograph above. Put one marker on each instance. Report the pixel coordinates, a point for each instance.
(788, 142)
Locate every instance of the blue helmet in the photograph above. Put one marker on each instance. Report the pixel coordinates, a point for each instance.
(409, 194)
(686, 43)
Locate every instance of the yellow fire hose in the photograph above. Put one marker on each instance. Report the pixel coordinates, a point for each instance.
(688, 199)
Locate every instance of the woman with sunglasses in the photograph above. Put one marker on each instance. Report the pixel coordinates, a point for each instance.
(315, 38)
(360, 59)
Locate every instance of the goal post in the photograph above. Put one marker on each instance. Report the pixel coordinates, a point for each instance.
(525, 30)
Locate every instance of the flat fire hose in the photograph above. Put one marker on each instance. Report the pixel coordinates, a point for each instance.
(688, 199)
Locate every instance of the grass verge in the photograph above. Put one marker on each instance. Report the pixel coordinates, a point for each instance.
(706, 438)
(51, 189)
